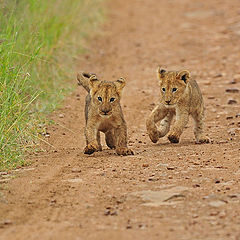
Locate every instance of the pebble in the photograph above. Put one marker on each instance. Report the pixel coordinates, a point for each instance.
(217, 203)
(222, 214)
(214, 213)
(7, 222)
(145, 165)
(114, 213)
(223, 141)
(232, 90)
(162, 165)
(211, 97)
(234, 195)
(153, 179)
(218, 75)
(75, 180)
(142, 226)
(207, 83)
(232, 131)
(76, 170)
(107, 212)
(211, 196)
(232, 101)
(233, 81)
(53, 201)
(61, 115)
(128, 227)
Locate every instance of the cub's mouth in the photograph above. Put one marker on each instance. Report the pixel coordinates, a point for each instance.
(105, 113)
(169, 104)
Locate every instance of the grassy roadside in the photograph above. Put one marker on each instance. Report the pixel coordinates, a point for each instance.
(39, 41)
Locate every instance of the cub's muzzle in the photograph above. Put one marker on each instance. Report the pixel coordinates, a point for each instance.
(105, 111)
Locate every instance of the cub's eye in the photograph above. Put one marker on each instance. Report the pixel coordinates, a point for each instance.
(112, 99)
(163, 89)
(99, 99)
(174, 89)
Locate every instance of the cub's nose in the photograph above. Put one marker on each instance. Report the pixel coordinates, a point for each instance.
(105, 111)
(168, 102)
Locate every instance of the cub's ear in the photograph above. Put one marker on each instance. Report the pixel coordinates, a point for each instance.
(93, 81)
(161, 72)
(120, 84)
(184, 76)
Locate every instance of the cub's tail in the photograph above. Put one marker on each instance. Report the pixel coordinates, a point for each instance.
(83, 80)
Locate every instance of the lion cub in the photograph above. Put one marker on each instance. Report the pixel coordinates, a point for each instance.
(104, 113)
(180, 96)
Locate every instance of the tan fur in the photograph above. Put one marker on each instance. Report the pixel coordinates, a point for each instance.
(103, 113)
(186, 100)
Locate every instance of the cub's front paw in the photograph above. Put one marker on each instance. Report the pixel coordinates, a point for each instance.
(91, 148)
(124, 151)
(99, 148)
(204, 139)
(154, 136)
(173, 139)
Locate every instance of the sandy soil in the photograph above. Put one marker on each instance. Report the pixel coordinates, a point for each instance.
(165, 191)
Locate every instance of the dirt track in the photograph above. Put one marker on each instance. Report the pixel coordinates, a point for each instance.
(68, 195)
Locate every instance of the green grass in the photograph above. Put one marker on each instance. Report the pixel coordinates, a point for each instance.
(39, 44)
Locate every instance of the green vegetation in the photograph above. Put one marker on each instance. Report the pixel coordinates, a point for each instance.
(39, 42)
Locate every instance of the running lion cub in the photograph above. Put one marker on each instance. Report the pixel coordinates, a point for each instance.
(180, 96)
(103, 113)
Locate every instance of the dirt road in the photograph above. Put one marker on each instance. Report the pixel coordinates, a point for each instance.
(165, 191)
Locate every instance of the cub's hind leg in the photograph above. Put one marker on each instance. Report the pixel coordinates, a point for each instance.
(110, 139)
(199, 127)
(165, 125)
